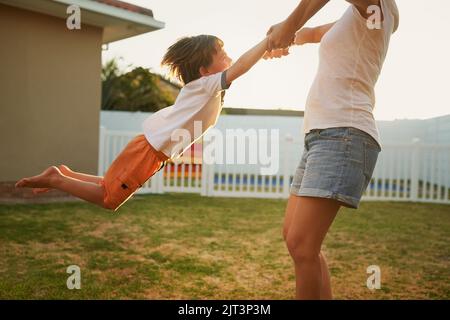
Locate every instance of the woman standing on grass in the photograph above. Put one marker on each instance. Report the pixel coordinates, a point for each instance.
(341, 136)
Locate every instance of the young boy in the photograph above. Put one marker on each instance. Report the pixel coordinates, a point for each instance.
(205, 69)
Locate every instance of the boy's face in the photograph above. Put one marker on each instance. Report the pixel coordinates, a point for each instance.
(221, 62)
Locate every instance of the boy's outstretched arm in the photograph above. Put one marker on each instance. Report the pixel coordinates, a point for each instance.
(246, 61)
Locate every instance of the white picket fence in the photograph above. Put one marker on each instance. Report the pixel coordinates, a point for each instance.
(404, 172)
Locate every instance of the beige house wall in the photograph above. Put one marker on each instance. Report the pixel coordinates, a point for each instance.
(50, 93)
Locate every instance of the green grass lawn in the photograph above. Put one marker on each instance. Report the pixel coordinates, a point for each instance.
(183, 246)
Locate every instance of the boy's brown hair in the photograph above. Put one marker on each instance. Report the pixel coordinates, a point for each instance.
(186, 56)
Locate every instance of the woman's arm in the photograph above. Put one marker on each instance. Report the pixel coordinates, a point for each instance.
(312, 35)
(246, 61)
(302, 36)
(282, 35)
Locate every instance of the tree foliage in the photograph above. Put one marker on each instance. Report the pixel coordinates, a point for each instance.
(136, 90)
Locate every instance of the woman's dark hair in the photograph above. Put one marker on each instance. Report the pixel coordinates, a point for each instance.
(185, 57)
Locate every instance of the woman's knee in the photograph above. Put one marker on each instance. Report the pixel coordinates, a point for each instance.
(301, 250)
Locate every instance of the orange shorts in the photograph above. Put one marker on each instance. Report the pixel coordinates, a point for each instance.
(130, 170)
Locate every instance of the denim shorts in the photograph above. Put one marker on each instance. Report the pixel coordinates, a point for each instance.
(337, 163)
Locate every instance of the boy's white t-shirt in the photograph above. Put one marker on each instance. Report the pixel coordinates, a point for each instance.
(351, 58)
(174, 129)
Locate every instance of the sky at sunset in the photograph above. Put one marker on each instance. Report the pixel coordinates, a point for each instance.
(414, 83)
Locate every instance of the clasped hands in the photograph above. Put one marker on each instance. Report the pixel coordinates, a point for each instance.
(281, 37)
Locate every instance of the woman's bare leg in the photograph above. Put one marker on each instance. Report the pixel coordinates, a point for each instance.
(325, 289)
(304, 233)
(53, 178)
(65, 170)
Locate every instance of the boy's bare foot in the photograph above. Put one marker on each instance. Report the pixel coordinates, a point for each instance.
(64, 170)
(40, 190)
(44, 180)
